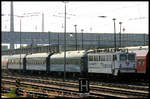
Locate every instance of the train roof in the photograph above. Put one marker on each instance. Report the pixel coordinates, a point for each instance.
(38, 55)
(140, 52)
(137, 48)
(17, 56)
(69, 54)
(5, 56)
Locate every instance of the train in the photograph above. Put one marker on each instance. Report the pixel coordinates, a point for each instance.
(77, 62)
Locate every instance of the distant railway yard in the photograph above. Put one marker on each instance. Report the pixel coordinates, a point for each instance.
(33, 86)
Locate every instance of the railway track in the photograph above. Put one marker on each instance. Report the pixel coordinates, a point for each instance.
(75, 82)
(96, 90)
(43, 93)
(102, 80)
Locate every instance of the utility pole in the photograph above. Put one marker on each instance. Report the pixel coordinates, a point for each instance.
(49, 39)
(82, 38)
(76, 34)
(65, 43)
(120, 33)
(11, 18)
(42, 22)
(58, 42)
(20, 43)
(99, 41)
(11, 22)
(114, 34)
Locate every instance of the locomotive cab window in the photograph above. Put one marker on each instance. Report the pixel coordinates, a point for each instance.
(95, 58)
(140, 62)
(114, 57)
(123, 57)
(131, 57)
(90, 58)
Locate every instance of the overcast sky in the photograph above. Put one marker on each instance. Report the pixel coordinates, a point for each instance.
(134, 16)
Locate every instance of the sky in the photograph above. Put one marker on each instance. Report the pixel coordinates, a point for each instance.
(133, 15)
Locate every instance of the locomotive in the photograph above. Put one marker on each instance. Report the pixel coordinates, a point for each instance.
(142, 62)
(142, 58)
(77, 62)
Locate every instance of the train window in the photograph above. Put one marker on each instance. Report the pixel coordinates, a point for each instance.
(9, 61)
(15, 61)
(32, 62)
(140, 62)
(114, 57)
(28, 61)
(106, 58)
(40, 62)
(109, 57)
(19, 61)
(131, 57)
(44, 61)
(99, 58)
(12, 61)
(123, 57)
(73, 61)
(76, 62)
(102, 58)
(90, 58)
(95, 58)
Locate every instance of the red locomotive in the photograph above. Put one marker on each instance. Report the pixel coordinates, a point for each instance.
(142, 61)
